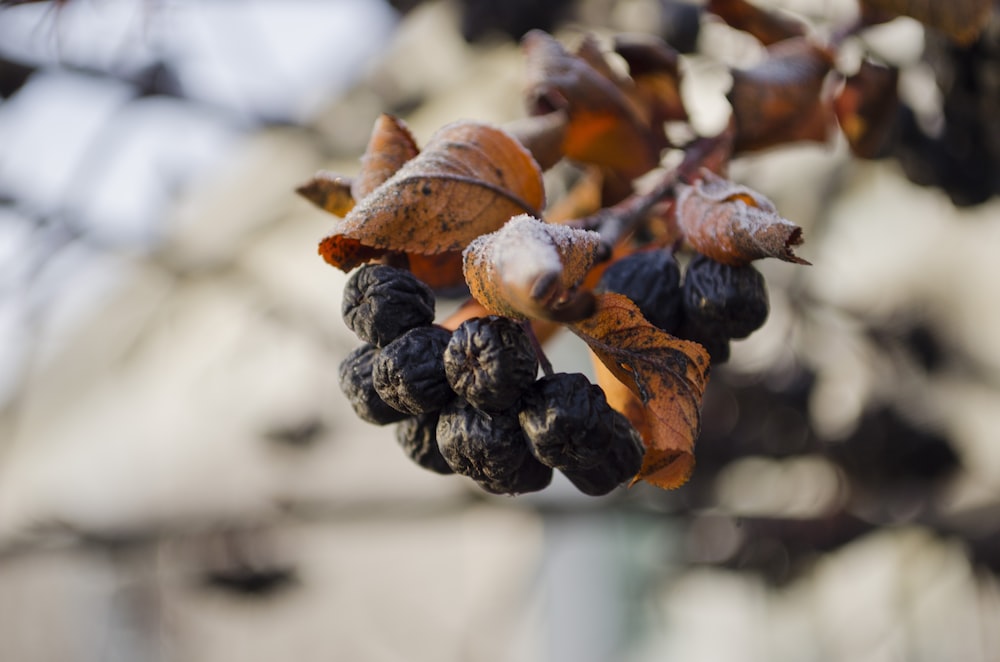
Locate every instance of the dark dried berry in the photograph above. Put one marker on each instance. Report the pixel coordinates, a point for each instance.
(490, 361)
(622, 461)
(715, 342)
(381, 303)
(356, 382)
(490, 449)
(409, 372)
(652, 280)
(561, 416)
(731, 299)
(418, 437)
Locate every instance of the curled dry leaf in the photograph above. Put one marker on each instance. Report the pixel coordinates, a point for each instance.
(391, 145)
(866, 108)
(653, 66)
(668, 376)
(733, 224)
(768, 27)
(469, 179)
(329, 191)
(961, 20)
(529, 269)
(780, 100)
(605, 127)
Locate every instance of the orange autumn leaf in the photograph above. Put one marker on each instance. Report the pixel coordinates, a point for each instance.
(440, 272)
(768, 27)
(529, 269)
(328, 191)
(604, 126)
(961, 20)
(781, 99)
(667, 375)
(621, 397)
(733, 224)
(391, 145)
(347, 253)
(469, 180)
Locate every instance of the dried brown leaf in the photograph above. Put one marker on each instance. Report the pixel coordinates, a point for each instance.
(866, 108)
(780, 100)
(328, 191)
(733, 224)
(347, 253)
(469, 180)
(653, 66)
(605, 127)
(391, 145)
(667, 375)
(529, 269)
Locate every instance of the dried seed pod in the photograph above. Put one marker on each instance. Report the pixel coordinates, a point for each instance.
(409, 372)
(561, 418)
(381, 303)
(490, 361)
(418, 437)
(490, 449)
(356, 383)
(652, 280)
(622, 461)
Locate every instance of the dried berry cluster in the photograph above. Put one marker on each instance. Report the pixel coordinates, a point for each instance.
(715, 303)
(468, 401)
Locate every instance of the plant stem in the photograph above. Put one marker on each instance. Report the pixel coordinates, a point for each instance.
(537, 346)
(619, 221)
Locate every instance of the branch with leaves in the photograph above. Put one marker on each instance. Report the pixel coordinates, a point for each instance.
(469, 211)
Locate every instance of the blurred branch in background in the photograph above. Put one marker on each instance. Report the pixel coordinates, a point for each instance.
(180, 477)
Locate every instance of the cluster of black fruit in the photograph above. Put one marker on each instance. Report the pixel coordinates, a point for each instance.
(715, 303)
(469, 401)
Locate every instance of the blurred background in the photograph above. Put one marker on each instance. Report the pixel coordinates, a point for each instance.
(182, 479)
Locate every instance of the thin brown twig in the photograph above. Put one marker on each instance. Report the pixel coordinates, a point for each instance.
(536, 345)
(618, 221)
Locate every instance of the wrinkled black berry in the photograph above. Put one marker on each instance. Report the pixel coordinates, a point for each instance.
(356, 383)
(409, 372)
(418, 437)
(561, 417)
(712, 338)
(489, 362)
(652, 280)
(381, 303)
(732, 299)
(622, 461)
(490, 449)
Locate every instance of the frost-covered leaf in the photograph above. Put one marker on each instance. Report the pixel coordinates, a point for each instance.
(469, 180)
(529, 269)
(734, 224)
